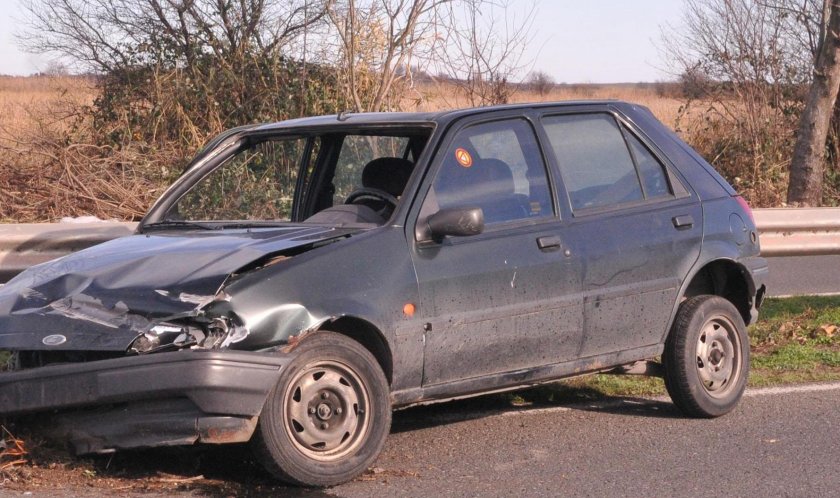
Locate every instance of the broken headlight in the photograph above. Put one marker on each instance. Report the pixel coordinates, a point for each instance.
(217, 333)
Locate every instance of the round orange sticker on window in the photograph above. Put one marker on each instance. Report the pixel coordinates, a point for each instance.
(463, 157)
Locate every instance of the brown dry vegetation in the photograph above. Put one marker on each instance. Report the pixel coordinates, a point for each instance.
(50, 167)
(666, 109)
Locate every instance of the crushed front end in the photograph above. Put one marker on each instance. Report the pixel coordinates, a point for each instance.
(134, 343)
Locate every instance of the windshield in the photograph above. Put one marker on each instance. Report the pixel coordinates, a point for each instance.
(257, 183)
(365, 170)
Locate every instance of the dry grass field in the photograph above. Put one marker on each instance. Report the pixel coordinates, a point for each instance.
(433, 98)
(51, 164)
(47, 171)
(27, 103)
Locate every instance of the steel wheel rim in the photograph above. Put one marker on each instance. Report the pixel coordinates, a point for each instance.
(718, 356)
(326, 410)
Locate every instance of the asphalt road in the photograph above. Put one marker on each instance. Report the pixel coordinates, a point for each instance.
(800, 275)
(778, 442)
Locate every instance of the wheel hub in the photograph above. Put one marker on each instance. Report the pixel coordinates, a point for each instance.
(325, 410)
(718, 356)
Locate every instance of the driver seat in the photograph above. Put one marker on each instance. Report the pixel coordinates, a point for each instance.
(388, 174)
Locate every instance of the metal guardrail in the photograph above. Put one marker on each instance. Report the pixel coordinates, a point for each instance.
(783, 232)
(798, 231)
(27, 244)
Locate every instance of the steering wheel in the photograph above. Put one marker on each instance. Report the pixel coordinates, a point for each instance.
(371, 193)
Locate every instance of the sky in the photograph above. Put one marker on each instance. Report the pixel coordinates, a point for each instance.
(575, 41)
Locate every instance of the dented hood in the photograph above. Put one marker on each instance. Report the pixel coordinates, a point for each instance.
(102, 297)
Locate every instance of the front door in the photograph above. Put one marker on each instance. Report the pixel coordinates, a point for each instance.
(509, 298)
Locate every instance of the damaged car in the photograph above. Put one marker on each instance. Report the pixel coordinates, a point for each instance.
(304, 278)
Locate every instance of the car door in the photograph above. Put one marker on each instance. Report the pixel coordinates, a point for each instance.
(508, 298)
(635, 224)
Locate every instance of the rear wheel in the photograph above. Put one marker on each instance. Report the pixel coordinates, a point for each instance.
(326, 420)
(707, 357)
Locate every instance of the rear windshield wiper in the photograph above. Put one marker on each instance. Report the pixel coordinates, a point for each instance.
(164, 224)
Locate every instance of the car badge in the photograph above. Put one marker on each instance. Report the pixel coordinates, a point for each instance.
(54, 340)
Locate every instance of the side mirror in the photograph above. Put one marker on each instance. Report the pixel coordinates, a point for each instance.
(459, 222)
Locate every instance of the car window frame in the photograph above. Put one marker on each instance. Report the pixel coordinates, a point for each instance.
(414, 220)
(625, 126)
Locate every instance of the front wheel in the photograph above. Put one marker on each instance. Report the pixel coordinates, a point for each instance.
(327, 419)
(707, 357)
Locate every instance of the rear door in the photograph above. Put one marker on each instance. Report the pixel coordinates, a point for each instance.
(509, 298)
(636, 225)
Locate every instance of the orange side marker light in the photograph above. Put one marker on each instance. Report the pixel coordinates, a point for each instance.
(409, 309)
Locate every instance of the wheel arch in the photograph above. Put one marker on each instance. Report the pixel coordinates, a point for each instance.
(369, 336)
(726, 278)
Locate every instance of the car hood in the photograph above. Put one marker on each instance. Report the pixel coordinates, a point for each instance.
(114, 291)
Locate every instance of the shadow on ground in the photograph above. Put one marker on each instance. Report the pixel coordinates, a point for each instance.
(230, 470)
(537, 398)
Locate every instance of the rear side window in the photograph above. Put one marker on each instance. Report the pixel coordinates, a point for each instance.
(496, 166)
(602, 164)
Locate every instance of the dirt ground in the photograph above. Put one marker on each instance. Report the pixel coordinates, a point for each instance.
(46, 469)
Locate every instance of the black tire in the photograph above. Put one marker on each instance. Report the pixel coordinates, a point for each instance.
(326, 420)
(707, 357)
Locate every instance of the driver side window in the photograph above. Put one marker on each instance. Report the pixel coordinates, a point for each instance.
(494, 166)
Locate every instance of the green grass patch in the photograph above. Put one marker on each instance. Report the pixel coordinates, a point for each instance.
(797, 319)
(794, 357)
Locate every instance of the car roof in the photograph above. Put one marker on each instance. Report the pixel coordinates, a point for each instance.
(413, 118)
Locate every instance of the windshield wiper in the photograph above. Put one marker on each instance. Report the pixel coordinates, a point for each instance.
(253, 224)
(164, 224)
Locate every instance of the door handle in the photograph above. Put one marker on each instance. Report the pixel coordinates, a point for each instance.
(549, 243)
(683, 221)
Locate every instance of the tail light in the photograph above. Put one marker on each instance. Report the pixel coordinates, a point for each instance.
(746, 207)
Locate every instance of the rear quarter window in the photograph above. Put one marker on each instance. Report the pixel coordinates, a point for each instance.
(602, 163)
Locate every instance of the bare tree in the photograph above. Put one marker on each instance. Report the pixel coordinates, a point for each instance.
(379, 42)
(540, 82)
(482, 44)
(747, 63)
(105, 35)
(808, 164)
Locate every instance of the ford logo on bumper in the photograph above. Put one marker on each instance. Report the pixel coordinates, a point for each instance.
(54, 340)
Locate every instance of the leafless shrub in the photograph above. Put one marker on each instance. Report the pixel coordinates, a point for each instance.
(381, 44)
(481, 47)
(171, 74)
(540, 82)
(744, 64)
(52, 170)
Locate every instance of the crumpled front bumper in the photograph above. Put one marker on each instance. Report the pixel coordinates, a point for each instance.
(179, 397)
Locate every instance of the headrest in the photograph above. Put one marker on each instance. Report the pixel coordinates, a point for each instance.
(496, 175)
(387, 173)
